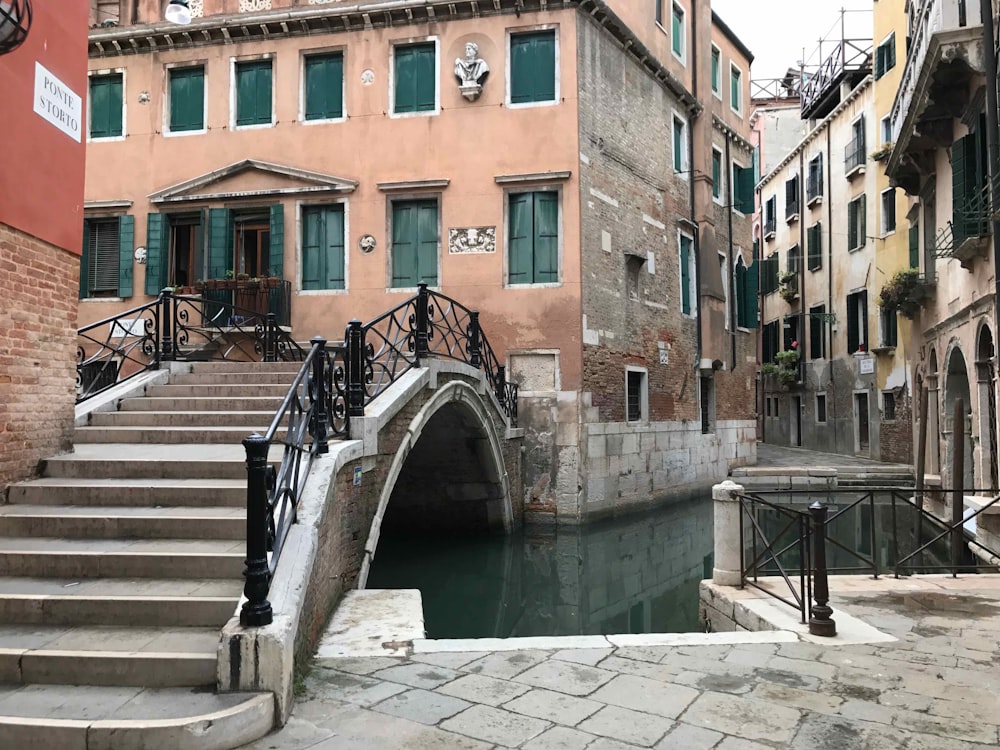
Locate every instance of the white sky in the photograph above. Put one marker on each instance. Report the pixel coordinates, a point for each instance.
(776, 31)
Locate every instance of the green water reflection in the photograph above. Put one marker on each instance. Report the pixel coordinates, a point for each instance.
(635, 575)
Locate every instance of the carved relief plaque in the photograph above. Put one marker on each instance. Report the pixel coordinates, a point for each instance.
(472, 240)
(249, 6)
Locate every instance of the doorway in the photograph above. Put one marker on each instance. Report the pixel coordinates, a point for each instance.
(253, 248)
(862, 440)
(795, 422)
(185, 251)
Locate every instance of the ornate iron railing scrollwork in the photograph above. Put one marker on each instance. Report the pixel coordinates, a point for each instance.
(116, 349)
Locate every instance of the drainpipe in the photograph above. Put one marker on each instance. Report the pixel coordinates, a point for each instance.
(731, 267)
(831, 403)
(803, 333)
(691, 189)
(992, 145)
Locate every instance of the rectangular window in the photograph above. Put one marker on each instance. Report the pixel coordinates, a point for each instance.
(821, 408)
(770, 216)
(735, 88)
(106, 260)
(253, 93)
(324, 86)
(857, 322)
(885, 56)
(817, 332)
(716, 71)
(533, 67)
(533, 237)
(889, 211)
(746, 293)
(814, 247)
(717, 174)
(814, 181)
(414, 242)
(888, 331)
(415, 79)
(677, 31)
(680, 145)
(769, 341)
(888, 406)
(885, 130)
(743, 189)
(792, 198)
(635, 395)
(854, 152)
(659, 12)
(856, 223)
(323, 247)
(106, 106)
(187, 99)
(769, 274)
(687, 269)
(970, 199)
(914, 242)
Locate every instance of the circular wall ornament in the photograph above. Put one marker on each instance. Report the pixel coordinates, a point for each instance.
(366, 244)
(140, 255)
(368, 77)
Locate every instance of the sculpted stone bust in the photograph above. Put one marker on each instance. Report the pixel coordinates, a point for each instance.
(471, 69)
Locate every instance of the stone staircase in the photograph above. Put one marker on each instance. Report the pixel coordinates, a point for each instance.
(120, 565)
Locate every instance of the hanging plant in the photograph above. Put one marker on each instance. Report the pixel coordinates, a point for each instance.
(905, 293)
(788, 286)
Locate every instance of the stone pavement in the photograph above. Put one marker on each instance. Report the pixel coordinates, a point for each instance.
(781, 456)
(936, 688)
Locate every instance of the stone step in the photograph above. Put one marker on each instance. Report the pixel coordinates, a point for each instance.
(189, 493)
(216, 391)
(96, 522)
(109, 655)
(153, 461)
(218, 435)
(70, 717)
(268, 404)
(285, 368)
(233, 378)
(49, 557)
(180, 418)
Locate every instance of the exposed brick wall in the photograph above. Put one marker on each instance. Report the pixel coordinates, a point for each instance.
(896, 437)
(37, 352)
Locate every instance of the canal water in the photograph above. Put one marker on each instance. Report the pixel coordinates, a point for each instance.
(639, 574)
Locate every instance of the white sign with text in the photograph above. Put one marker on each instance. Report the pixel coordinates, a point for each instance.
(58, 103)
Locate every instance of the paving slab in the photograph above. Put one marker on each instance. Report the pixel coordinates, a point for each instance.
(495, 725)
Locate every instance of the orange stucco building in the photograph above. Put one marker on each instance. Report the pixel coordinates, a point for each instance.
(568, 169)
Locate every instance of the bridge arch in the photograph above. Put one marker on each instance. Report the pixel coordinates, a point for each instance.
(454, 426)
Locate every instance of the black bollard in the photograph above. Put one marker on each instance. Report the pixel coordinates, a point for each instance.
(820, 620)
(256, 610)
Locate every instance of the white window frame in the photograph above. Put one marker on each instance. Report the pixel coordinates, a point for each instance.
(643, 395)
(818, 198)
(674, 7)
(692, 275)
(515, 189)
(885, 130)
(99, 74)
(167, 103)
(233, 62)
(318, 52)
(558, 78)
(733, 66)
(391, 109)
(863, 238)
(882, 213)
(890, 36)
(716, 90)
(685, 170)
(721, 197)
(732, 186)
(402, 197)
(299, 206)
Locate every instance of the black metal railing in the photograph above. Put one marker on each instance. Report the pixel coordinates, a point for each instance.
(176, 328)
(854, 154)
(334, 385)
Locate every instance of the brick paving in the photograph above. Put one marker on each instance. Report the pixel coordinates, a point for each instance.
(936, 688)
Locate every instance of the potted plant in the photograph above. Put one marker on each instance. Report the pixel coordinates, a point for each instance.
(882, 153)
(788, 286)
(905, 293)
(788, 365)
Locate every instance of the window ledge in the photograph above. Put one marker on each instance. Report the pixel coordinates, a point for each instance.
(814, 201)
(858, 170)
(93, 300)
(404, 185)
(769, 235)
(792, 219)
(883, 350)
(532, 177)
(542, 285)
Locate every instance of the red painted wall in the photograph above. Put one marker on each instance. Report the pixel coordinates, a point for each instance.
(41, 167)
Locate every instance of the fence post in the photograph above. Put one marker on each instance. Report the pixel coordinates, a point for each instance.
(355, 369)
(820, 620)
(475, 357)
(501, 387)
(423, 320)
(728, 557)
(257, 609)
(957, 481)
(320, 419)
(270, 338)
(167, 325)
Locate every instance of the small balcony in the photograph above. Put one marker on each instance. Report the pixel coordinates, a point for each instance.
(854, 157)
(945, 50)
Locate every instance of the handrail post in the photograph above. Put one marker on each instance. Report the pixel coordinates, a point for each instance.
(422, 320)
(728, 557)
(271, 338)
(166, 331)
(820, 621)
(957, 482)
(256, 610)
(355, 369)
(501, 382)
(475, 356)
(320, 420)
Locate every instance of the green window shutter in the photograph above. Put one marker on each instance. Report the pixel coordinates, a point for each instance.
(659, 12)
(546, 237)
(852, 325)
(815, 240)
(676, 31)
(276, 254)
(745, 183)
(313, 237)
(415, 82)
(404, 244)
(334, 219)
(106, 106)
(852, 226)
(187, 99)
(879, 62)
(678, 131)
(126, 242)
(520, 235)
(863, 220)
(750, 295)
(715, 70)
(734, 89)
(914, 246)
(533, 67)
(864, 319)
(324, 87)
(685, 275)
(427, 242)
(253, 93)
(220, 243)
(890, 58)
(85, 262)
(157, 253)
(716, 174)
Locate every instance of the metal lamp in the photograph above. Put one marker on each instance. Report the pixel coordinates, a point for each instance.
(178, 11)
(15, 21)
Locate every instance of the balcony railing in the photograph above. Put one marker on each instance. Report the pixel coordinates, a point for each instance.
(848, 56)
(854, 155)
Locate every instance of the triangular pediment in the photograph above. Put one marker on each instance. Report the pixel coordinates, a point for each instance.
(252, 179)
